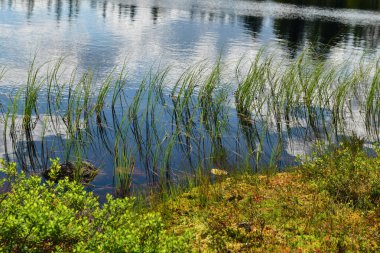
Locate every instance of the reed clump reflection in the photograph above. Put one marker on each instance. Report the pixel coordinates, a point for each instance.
(167, 129)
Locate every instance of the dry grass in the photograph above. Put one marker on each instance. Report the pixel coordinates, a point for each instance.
(279, 213)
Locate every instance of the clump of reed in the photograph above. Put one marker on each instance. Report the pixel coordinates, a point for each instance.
(173, 128)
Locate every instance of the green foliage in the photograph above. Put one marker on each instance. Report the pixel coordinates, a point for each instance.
(39, 216)
(9, 171)
(54, 169)
(348, 174)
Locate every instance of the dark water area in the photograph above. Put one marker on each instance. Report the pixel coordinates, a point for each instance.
(344, 4)
(103, 36)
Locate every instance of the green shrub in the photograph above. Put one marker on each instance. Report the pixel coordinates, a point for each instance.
(37, 216)
(348, 174)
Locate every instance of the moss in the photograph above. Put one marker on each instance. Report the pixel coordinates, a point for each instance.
(301, 210)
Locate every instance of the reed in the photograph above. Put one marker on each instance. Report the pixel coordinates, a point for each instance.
(181, 128)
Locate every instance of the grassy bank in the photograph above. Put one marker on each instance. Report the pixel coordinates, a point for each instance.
(330, 203)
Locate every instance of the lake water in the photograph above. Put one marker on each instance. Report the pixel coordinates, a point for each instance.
(103, 35)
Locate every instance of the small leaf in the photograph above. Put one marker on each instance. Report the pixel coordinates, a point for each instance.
(219, 172)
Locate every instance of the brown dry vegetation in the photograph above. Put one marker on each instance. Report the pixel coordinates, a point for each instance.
(285, 212)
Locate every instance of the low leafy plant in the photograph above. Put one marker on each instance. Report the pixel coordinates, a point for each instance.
(38, 216)
(348, 174)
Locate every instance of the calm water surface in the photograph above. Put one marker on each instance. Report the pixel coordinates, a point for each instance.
(102, 35)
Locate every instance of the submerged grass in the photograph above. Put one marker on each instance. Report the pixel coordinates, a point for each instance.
(200, 121)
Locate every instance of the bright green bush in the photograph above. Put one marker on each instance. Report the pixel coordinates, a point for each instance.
(348, 174)
(37, 216)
